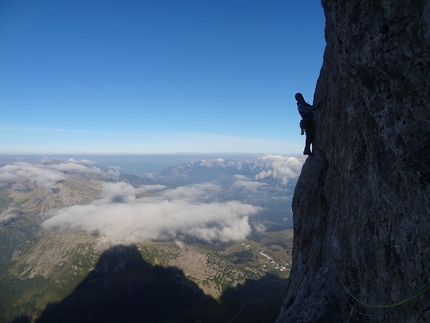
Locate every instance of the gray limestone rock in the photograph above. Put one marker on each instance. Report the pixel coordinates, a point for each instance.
(362, 203)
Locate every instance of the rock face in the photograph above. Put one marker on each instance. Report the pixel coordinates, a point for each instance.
(361, 206)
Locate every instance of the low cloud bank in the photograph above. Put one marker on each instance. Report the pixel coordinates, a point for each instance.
(46, 175)
(38, 175)
(281, 168)
(210, 211)
(172, 214)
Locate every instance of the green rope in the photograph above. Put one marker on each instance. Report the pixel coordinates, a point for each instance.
(420, 291)
(366, 314)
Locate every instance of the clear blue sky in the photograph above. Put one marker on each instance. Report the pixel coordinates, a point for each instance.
(156, 76)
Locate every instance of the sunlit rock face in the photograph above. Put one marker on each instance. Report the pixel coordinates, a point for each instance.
(361, 206)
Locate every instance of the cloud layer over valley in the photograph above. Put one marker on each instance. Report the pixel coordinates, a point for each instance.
(170, 214)
(48, 173)
(222, 200)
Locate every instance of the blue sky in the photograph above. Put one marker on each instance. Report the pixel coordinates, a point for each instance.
(158, 76)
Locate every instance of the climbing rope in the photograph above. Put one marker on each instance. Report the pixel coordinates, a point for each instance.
(366, 314)
(391, 307)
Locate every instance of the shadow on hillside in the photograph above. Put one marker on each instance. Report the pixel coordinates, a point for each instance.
(256, 301)
(21, 319)
(123, 287)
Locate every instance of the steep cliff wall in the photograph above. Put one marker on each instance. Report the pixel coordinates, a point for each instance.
(361, 206)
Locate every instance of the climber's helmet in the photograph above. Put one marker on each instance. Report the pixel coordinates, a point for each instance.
(299, 97)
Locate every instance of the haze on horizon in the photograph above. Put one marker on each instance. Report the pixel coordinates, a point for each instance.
(141, 77)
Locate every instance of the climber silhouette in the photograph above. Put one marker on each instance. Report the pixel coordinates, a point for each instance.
(307, 123)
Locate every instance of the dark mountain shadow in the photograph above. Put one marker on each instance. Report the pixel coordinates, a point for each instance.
(125, 288)
(256, 301)
(22, 319)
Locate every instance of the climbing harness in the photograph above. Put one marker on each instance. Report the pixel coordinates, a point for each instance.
(302, 127)
(305, 124)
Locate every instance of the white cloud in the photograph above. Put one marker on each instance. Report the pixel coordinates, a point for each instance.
(46, 175)
(280, 167)
(210, 211)
(203, 192)
(113, 172)
(180, 244)
(210, 163)
(38, 175)
(73, 167)
(260, 227)
(8, 214)
(155, 187)
(82, 161)
(171, 214)
(264, 174)
(124, 192)
(244, 182)
(6, 175)
(118, 192)
(241, 177)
